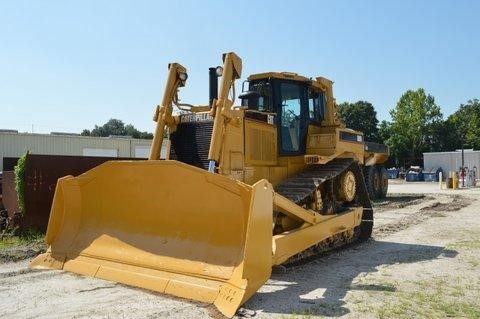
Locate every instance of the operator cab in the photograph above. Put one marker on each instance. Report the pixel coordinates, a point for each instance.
(292, 101)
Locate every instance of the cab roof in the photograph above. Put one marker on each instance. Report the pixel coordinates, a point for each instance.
(278, 75)
(319, 81)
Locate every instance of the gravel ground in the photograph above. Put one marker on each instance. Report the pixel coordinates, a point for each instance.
(422, 262)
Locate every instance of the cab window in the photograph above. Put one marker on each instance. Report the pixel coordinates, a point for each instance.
(316, 105)
(264, 88)
(292, 128)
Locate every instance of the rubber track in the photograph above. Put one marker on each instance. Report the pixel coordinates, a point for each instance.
(299, 187)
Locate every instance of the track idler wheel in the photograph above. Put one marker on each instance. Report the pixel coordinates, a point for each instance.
(348, 186)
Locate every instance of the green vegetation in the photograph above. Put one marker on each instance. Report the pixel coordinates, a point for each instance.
(423, 304)
(473, 262)
(360, 116)
(465, 244)
(463, 127)
(118, 128)
(8, 241)
(436, 298)
(20, 181)
(415, 122)
(417, 126)
(27, 245)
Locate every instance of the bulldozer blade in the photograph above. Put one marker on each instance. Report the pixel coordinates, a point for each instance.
(164, 226)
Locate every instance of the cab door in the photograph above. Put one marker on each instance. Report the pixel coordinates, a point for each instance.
(292, 116)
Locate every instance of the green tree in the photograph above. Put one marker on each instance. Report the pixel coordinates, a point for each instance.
(384, 131)
(448, 137)
(463, 127)
(133, 132)
(112, 127)
(117, 127)
(360, 116)
(416, 121)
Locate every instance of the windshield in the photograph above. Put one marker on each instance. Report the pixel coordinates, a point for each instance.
(264, 88)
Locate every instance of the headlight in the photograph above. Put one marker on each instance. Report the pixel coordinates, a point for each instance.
(183, 76)
(219, 71)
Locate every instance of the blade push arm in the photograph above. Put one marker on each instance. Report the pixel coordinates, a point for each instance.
(177, 76)
(232, 70)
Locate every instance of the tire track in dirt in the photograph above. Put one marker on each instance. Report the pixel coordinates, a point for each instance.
(434, 208)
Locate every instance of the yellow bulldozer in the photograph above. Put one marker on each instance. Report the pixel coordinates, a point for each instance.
(271, 181)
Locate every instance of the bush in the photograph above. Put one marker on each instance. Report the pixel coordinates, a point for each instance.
(20, 181)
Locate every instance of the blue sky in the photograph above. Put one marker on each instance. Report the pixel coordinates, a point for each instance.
(66, 66)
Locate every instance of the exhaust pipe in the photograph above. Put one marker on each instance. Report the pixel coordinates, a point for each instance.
(213, 84)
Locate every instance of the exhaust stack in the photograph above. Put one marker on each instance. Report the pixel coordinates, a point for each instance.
(213, 84)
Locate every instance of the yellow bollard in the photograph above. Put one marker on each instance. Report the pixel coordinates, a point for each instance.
(454, 180)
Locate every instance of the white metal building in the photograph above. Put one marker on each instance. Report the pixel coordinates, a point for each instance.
(14, 144)
(452, 161)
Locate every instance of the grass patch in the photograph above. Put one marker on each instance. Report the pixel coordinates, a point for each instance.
(8, 241)
(27, 245)
(473, 262)
(425, 305)
(460, 309)
(441, 297)
(432, 299)
(465, 244)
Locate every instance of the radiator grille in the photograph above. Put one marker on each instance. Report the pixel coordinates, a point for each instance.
(190, 143)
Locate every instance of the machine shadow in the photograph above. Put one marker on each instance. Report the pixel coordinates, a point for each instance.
(327, 279)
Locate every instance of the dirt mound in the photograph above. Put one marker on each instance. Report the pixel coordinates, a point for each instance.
(433, 208)
(399, 201)
(457, 203)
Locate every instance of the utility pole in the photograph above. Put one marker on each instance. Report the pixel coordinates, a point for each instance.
(463, 164)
